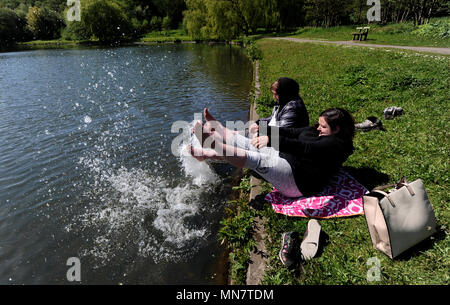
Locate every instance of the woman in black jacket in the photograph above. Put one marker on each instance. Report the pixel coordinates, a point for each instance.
(289, 111)
(305, 158)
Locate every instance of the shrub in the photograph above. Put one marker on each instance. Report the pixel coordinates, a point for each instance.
(252, 50)
(437, 29)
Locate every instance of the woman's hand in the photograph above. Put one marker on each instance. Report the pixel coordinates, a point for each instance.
(260, 142)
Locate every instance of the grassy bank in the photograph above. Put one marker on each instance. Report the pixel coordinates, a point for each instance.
(434, 34)
(415, 145)
(405, 34)
(166, 36)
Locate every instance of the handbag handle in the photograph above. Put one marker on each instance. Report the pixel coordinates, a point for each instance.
(410, 189)
(387, 196)
(402, 181)
(378, 190)
(384, 187)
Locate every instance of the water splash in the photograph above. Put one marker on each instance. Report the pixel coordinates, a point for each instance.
(136, 211)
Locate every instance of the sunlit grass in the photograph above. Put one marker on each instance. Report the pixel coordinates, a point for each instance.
(391, 34)
(166, 36)
(416, 145)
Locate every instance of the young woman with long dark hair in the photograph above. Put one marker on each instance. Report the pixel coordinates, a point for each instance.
(305, 158)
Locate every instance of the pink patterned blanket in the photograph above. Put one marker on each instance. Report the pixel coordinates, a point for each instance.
(341, 198)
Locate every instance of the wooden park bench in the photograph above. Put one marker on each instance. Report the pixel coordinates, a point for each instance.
(363, 32)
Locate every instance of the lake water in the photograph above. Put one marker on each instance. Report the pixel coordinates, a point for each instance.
(86, 168)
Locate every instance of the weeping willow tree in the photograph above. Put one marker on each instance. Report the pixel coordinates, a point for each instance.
(228, 19)
(105, 19)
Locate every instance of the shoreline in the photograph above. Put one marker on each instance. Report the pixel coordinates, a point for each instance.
(25, 46)
(258, 259)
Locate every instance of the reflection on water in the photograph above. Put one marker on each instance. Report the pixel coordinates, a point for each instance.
(86, 168)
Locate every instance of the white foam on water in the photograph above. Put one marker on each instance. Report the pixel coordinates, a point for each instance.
(87, 119)
(201, 172)
(134, 210)
(154, 215)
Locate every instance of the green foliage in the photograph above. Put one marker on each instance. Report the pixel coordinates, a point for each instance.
(397, 28)
(166, 23)
(239, 260)
(43, 23)
(75, 31)
(134, 17)
(391, 34)
(244, 185)
(437, 29)
(264, 105)
(252, 49)
(12, 27)
(238, 230)
(229, 19)
(166, 36)
(105, 20)
(156, 23)
(416, 145)
(195, 18)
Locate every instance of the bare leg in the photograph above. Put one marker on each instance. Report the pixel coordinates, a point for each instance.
(224, 135)
(233, 155)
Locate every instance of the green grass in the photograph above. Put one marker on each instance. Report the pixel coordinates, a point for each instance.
(55, 42)
(415, 145)
(156, 36)
(393, 34)
(166, 36)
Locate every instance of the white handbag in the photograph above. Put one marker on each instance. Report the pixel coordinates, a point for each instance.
(400, 219)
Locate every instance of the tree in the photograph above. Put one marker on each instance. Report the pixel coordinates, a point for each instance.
(155, 23)
(224, 23)
(292, 13)
(196, 18)
(43, 23)
(105, 20)
(12, 27)
(223, 20)
(172, 9)
(328, 13)
(270, 15)
(166, 23)
(75, 30)
(423, 10)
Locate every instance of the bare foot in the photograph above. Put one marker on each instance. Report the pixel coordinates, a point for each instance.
(201, 154)
(212, 125)
(203, 136)
(207, 115)
(198, 132)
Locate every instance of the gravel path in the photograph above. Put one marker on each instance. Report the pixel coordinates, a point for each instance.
(444, 51)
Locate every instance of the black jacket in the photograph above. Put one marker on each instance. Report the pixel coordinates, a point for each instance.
(293, 114)
(291, 108)
(314, 159)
